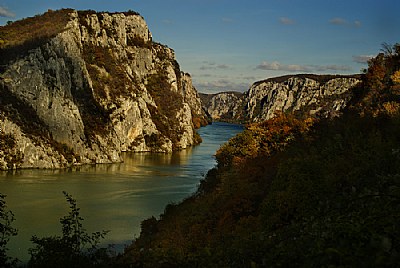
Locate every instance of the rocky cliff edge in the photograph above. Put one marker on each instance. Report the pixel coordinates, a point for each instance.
(320, 95)
(79, 87)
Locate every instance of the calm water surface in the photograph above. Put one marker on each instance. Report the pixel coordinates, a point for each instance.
(115, 197)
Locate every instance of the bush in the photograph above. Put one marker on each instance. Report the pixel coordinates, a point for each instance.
(6, 232)
(75, 248)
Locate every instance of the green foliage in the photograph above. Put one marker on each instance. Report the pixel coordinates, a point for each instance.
(6, 232)
(74, 248)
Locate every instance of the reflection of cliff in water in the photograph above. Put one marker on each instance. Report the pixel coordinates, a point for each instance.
(133, 162)
(144, 159)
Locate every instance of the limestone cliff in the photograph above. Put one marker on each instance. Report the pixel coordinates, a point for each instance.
(224, 106)
(85, 86)
(322, 95)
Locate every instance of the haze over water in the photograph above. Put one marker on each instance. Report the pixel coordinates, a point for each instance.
(115, 197)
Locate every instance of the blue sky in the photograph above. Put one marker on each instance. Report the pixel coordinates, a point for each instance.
(229, 44)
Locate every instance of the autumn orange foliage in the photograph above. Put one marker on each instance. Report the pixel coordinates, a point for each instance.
(263, 139)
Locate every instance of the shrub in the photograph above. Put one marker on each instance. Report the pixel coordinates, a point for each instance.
(74, 248)
(6, 232)
(138, 41)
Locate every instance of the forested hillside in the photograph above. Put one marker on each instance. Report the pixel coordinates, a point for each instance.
(295, 191)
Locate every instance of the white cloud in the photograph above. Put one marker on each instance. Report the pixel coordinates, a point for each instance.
(277, 66)
(227, 20)
(221, 85)
(205, 75)
(286, 21)
(167, 21)
(344, 22)
(357, 23)
(213, 66)
(362, 58)
(4, 12)
(338, 21)
(332, 67)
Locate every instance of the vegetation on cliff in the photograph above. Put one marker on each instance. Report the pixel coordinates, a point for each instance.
(295, 191)
(18, 37)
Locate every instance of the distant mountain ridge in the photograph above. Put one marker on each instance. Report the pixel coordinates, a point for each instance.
(80, 87)
(325, 95)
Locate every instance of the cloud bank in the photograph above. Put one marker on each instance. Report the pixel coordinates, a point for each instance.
(214, 66)
(338, 21)
(362, 58)
(286, 21)
(344, 22)
(4, 12)
(277, 66)
(221, 85)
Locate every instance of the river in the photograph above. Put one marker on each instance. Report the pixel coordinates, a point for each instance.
(114, 197)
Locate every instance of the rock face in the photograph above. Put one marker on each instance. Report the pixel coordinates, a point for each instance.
(95, 88)
(224, 106)
(322, 95)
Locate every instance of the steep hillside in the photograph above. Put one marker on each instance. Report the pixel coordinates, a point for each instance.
(80, 87)
(295, 190)
(324, 95)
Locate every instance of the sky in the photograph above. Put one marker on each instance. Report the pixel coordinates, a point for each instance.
(227, 45)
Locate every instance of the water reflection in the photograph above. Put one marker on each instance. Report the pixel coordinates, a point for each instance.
(114, 197)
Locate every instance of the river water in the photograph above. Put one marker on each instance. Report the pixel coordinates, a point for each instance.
(114, 197)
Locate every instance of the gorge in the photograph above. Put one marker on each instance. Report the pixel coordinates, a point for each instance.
(312, 179)
(80, 87)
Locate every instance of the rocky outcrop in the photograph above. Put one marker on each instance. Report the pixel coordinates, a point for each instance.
(95, 88)
(224, 106)
(323, 95)
(320, 95)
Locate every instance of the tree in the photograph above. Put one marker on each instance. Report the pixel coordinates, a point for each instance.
(6, 231)
(75, 248)
(387, 49)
